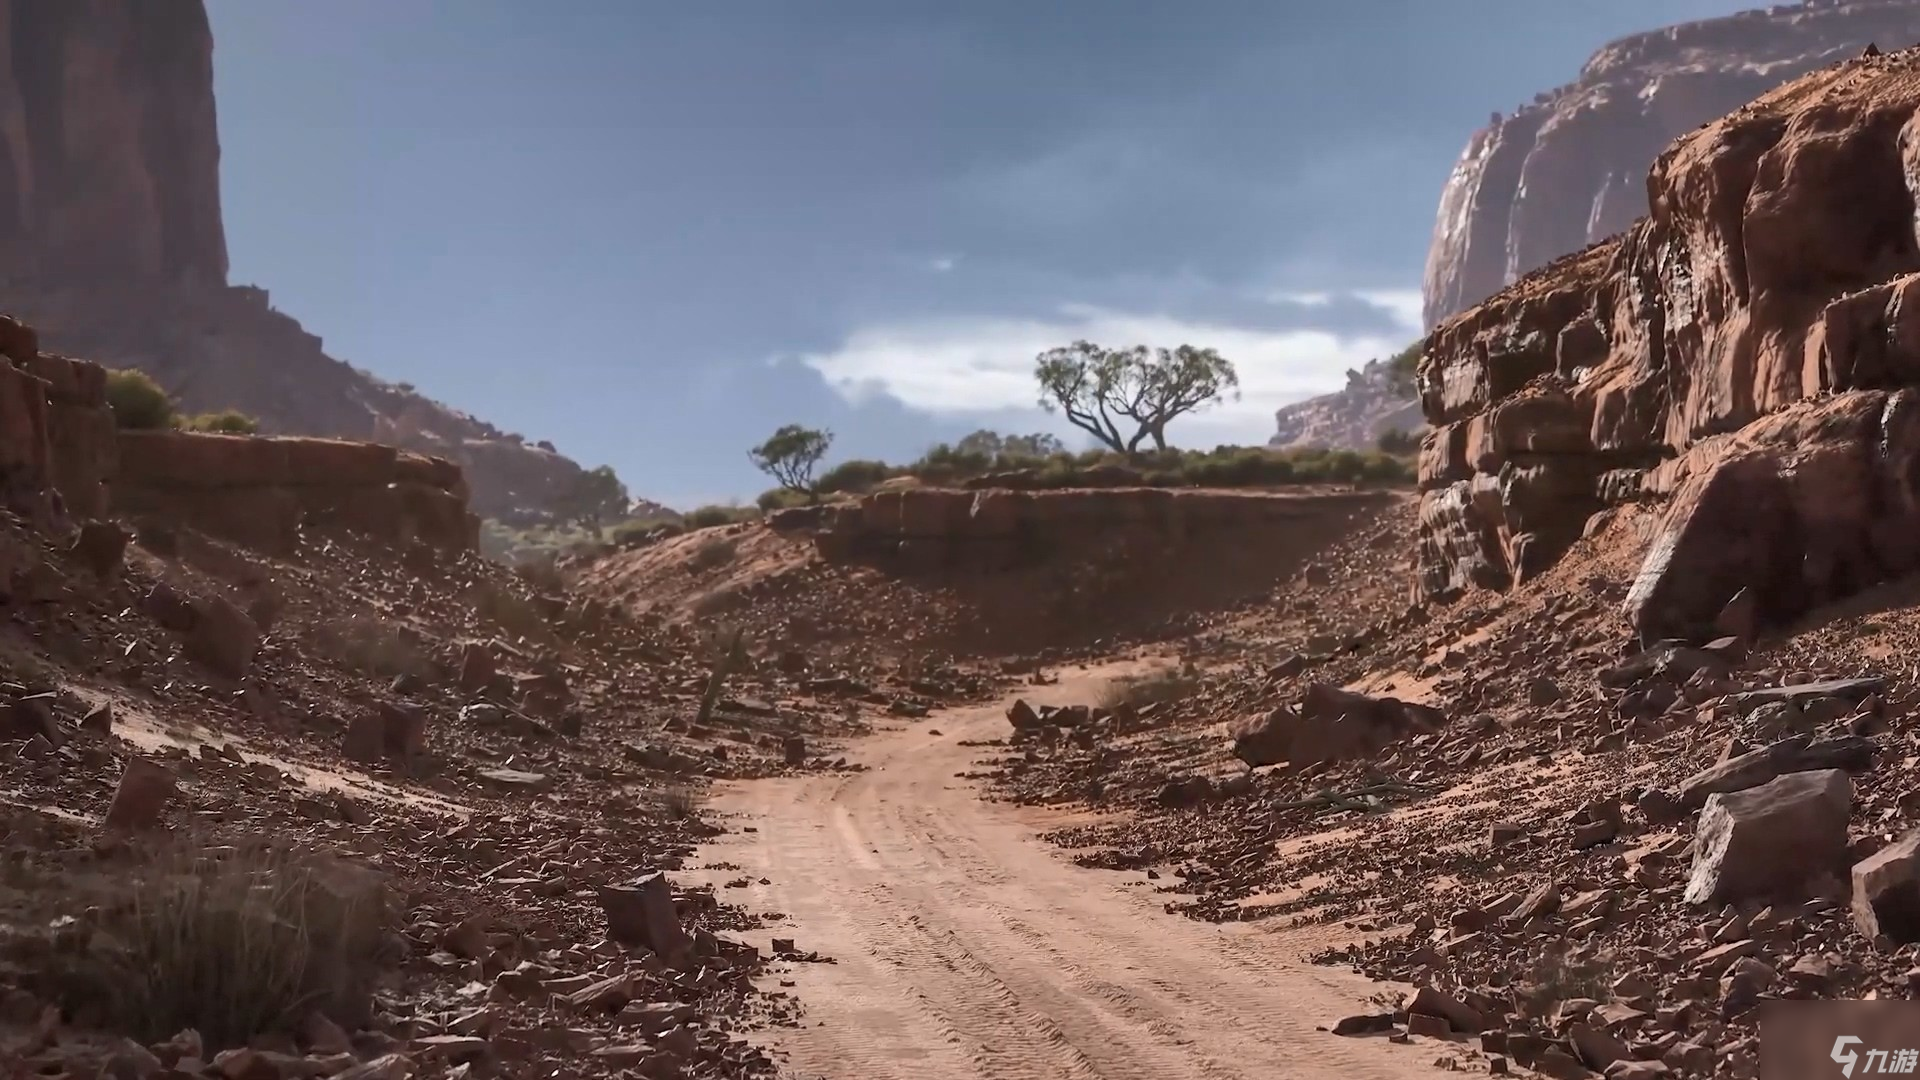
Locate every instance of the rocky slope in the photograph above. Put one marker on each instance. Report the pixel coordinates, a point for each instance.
(1569, 169)
(1351, 418)
(318, 791)
(1743, 362)
(110, 214)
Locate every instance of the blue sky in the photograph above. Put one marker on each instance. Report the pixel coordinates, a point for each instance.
(654, 232)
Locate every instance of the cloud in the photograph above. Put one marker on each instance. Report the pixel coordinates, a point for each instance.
(1403, 306)
(961, 366)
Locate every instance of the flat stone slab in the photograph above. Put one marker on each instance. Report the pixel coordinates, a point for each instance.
(1850, 689)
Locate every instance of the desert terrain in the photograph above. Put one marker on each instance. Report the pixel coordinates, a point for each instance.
(1565, 757)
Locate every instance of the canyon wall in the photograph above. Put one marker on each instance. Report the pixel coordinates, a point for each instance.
(110, 216)
(1745, 361)
(1570, 168)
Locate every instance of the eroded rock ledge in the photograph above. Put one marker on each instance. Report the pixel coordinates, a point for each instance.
(1748, 355)
(62, 458)
(930, 529)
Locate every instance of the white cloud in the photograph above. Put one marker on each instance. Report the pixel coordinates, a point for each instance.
(964, 366)
(1402, 304)
(943, 264)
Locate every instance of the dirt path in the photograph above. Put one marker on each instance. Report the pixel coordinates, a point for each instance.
(968, 948)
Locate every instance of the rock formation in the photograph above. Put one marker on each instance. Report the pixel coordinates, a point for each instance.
(110, 214)
(1567, 170)
(1747, 359)
(938, 528)
(1351, 418)
(62, 458)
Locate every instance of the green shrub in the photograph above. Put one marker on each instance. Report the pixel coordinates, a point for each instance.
(224, 422)
(138, 403)
(707, 517)
(780, 498)
(629, 533)
(856, 476)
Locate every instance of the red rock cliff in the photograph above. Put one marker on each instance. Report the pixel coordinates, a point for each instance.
(1568, 170)
(1746, 358)
(110, 218)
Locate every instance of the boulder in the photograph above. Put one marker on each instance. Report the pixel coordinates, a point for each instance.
(141, 796)
(1853, 754)
(642, 913)
(1022, 717)
(1775, 838)
(222, 638)
(101, 546)
(1886, 892)
(1331, 724)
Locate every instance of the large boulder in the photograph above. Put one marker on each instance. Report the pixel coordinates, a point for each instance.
(223, 637)
(1775, 838)
(1330, 724)
(1886, 891)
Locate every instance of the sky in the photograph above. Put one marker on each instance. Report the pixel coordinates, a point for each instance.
(653, 232)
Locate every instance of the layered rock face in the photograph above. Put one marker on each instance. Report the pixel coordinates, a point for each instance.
(263, 491)
(934, 529)
(1351, 418)
(1568, 170)
(1747, 358)
(110, 216)
(61, 458)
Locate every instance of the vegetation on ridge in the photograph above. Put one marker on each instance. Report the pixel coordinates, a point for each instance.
(141, 404)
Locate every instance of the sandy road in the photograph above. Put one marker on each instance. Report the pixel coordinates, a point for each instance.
(968, 948)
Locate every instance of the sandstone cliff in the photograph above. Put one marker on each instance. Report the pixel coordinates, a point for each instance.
(110, 215)
(1569, 169)
(1352, 417)
(1746, 359)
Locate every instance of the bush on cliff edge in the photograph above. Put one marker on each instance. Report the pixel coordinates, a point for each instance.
(224, 422)
(138, 403)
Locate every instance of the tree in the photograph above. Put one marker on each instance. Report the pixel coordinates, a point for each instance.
(594, 495)
(1097, 388)
(790, 455)
(994, 446)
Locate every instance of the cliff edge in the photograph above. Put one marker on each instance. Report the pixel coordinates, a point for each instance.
(1741, 367)
(1569, 169)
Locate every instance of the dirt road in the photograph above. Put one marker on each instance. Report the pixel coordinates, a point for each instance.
(968, 948)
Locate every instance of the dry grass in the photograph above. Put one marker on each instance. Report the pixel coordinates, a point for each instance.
(513, 613)
(714, 554)
(680, 803)
(234, 942)
(1138, 691)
